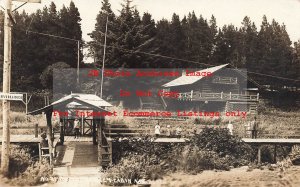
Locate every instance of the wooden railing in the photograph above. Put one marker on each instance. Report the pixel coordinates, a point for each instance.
(37, 129)
(217, 96)
(225, 80)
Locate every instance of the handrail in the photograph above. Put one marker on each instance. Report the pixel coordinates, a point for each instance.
(220, 95)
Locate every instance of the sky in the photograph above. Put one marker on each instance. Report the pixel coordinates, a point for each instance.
(225, 11)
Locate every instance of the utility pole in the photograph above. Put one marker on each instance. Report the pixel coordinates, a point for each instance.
(6, 88)
(104, 50)
(8, 20)
(78, 59)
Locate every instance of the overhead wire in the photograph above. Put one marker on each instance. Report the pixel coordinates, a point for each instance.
(159, 55)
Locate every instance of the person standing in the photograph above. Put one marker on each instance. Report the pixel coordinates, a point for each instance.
(230, 128)
(168, 131)
(157, 130)
(254, 128)
(76, 128)
(178, 132)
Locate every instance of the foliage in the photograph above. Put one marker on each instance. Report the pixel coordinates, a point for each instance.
(32, 52)
(23, 170)
(211, 149)
(33, 174)
(47, 75)
(220, 141)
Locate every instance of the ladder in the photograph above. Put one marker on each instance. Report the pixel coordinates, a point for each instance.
(44, 153)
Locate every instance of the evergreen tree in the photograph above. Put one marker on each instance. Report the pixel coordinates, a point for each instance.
(96, 45)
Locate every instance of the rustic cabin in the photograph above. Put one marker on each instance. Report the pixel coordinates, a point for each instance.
(218, 88)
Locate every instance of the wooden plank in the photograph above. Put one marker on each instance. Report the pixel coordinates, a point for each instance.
(265, 141)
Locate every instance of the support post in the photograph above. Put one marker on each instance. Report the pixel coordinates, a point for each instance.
(259, 155)
(6, 89)
(99, 130)
(62, 133)
(49, 134)
(36, 130)
(94, 131)
(275, 153)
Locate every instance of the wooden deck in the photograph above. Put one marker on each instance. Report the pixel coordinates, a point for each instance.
(32, 139)
(271, 141)
(23, 139)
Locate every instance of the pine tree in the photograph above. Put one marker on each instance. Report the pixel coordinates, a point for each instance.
(96, 45)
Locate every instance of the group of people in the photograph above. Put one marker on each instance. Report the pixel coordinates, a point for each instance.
(157, 131)
(251, 128)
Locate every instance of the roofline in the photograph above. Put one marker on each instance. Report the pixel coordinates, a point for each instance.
(50, 107)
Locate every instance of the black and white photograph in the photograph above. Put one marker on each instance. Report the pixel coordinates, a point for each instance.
(150, 93)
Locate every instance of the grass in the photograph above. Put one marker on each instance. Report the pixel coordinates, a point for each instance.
(18, 120)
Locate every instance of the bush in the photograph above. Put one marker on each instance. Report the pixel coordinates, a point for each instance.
(139, 158)
(221, 142)
(33, 174)
(23, 170)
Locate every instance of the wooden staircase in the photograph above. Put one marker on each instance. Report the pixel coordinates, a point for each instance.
(105, 151)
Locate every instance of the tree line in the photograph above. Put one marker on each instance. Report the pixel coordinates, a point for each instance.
(136, 40)
(35, 52)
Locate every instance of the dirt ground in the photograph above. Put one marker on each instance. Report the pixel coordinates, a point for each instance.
(238, 177)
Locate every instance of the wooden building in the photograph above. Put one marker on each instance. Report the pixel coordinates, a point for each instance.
(74, 106)
(222, 89)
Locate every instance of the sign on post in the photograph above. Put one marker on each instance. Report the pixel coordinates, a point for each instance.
(29, 1)
(10, 96)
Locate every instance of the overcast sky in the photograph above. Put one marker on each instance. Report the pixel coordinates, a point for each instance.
(225, 11)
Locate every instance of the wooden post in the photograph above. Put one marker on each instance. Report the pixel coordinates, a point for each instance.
(36, 130)
(6, 88)
(49, 134)
(94, 131)
(259, 155)
(99, 131)
(110, 151)
(275, 153)
(62, 133)
(82, 125)
(40, 154)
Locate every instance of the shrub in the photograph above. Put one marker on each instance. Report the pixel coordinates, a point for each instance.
(196, 160)
(23, 170)
(221, 142)
(19, 161)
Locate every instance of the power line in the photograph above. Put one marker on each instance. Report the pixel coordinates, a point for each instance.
(184, 60)
(163, 56)
(156, 55)
(50, 35)
(262, 74)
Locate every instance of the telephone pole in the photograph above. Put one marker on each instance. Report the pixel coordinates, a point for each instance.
(8, 21)
(6, 87)
(103, 60)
